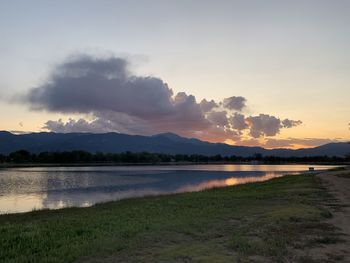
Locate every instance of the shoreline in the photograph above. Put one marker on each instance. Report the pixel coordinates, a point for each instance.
(26, 165)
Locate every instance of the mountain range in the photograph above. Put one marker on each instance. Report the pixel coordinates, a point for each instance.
(168, 143)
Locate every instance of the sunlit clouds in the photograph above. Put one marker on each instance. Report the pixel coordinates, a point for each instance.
(113, 99)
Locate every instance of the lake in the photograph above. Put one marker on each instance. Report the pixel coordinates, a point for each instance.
(26, 189)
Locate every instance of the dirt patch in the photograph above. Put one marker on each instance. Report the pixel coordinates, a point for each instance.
(338, 184)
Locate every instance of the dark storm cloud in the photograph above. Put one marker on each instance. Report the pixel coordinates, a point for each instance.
(207, 106)
(234, 103)
(218, 117)
(104, 88)
(238, 122)
(116, 100)
(290, 123)
(263, 125)
(84, 84)
(266, 125)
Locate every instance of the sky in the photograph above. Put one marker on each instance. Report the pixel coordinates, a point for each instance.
(268, 73)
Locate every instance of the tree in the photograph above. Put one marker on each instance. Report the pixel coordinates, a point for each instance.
(21, 156)
(257, 156)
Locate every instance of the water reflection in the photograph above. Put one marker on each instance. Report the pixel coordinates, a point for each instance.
(25, 189)
(231, 181)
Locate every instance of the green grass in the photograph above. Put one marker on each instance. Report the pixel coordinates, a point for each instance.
(257, 221)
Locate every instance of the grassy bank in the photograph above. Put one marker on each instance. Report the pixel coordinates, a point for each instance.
(260, 221)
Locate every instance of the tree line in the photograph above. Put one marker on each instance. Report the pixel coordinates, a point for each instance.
(23, 156)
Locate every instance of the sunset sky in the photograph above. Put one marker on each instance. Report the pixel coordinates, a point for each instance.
(269, 73)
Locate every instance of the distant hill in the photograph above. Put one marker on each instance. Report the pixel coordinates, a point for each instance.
(169, 143)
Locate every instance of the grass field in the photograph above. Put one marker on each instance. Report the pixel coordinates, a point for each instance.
(260, 222)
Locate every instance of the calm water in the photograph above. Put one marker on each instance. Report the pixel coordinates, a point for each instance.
(25, 189)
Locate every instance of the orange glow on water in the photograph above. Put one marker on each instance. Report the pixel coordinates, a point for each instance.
(229, 182)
